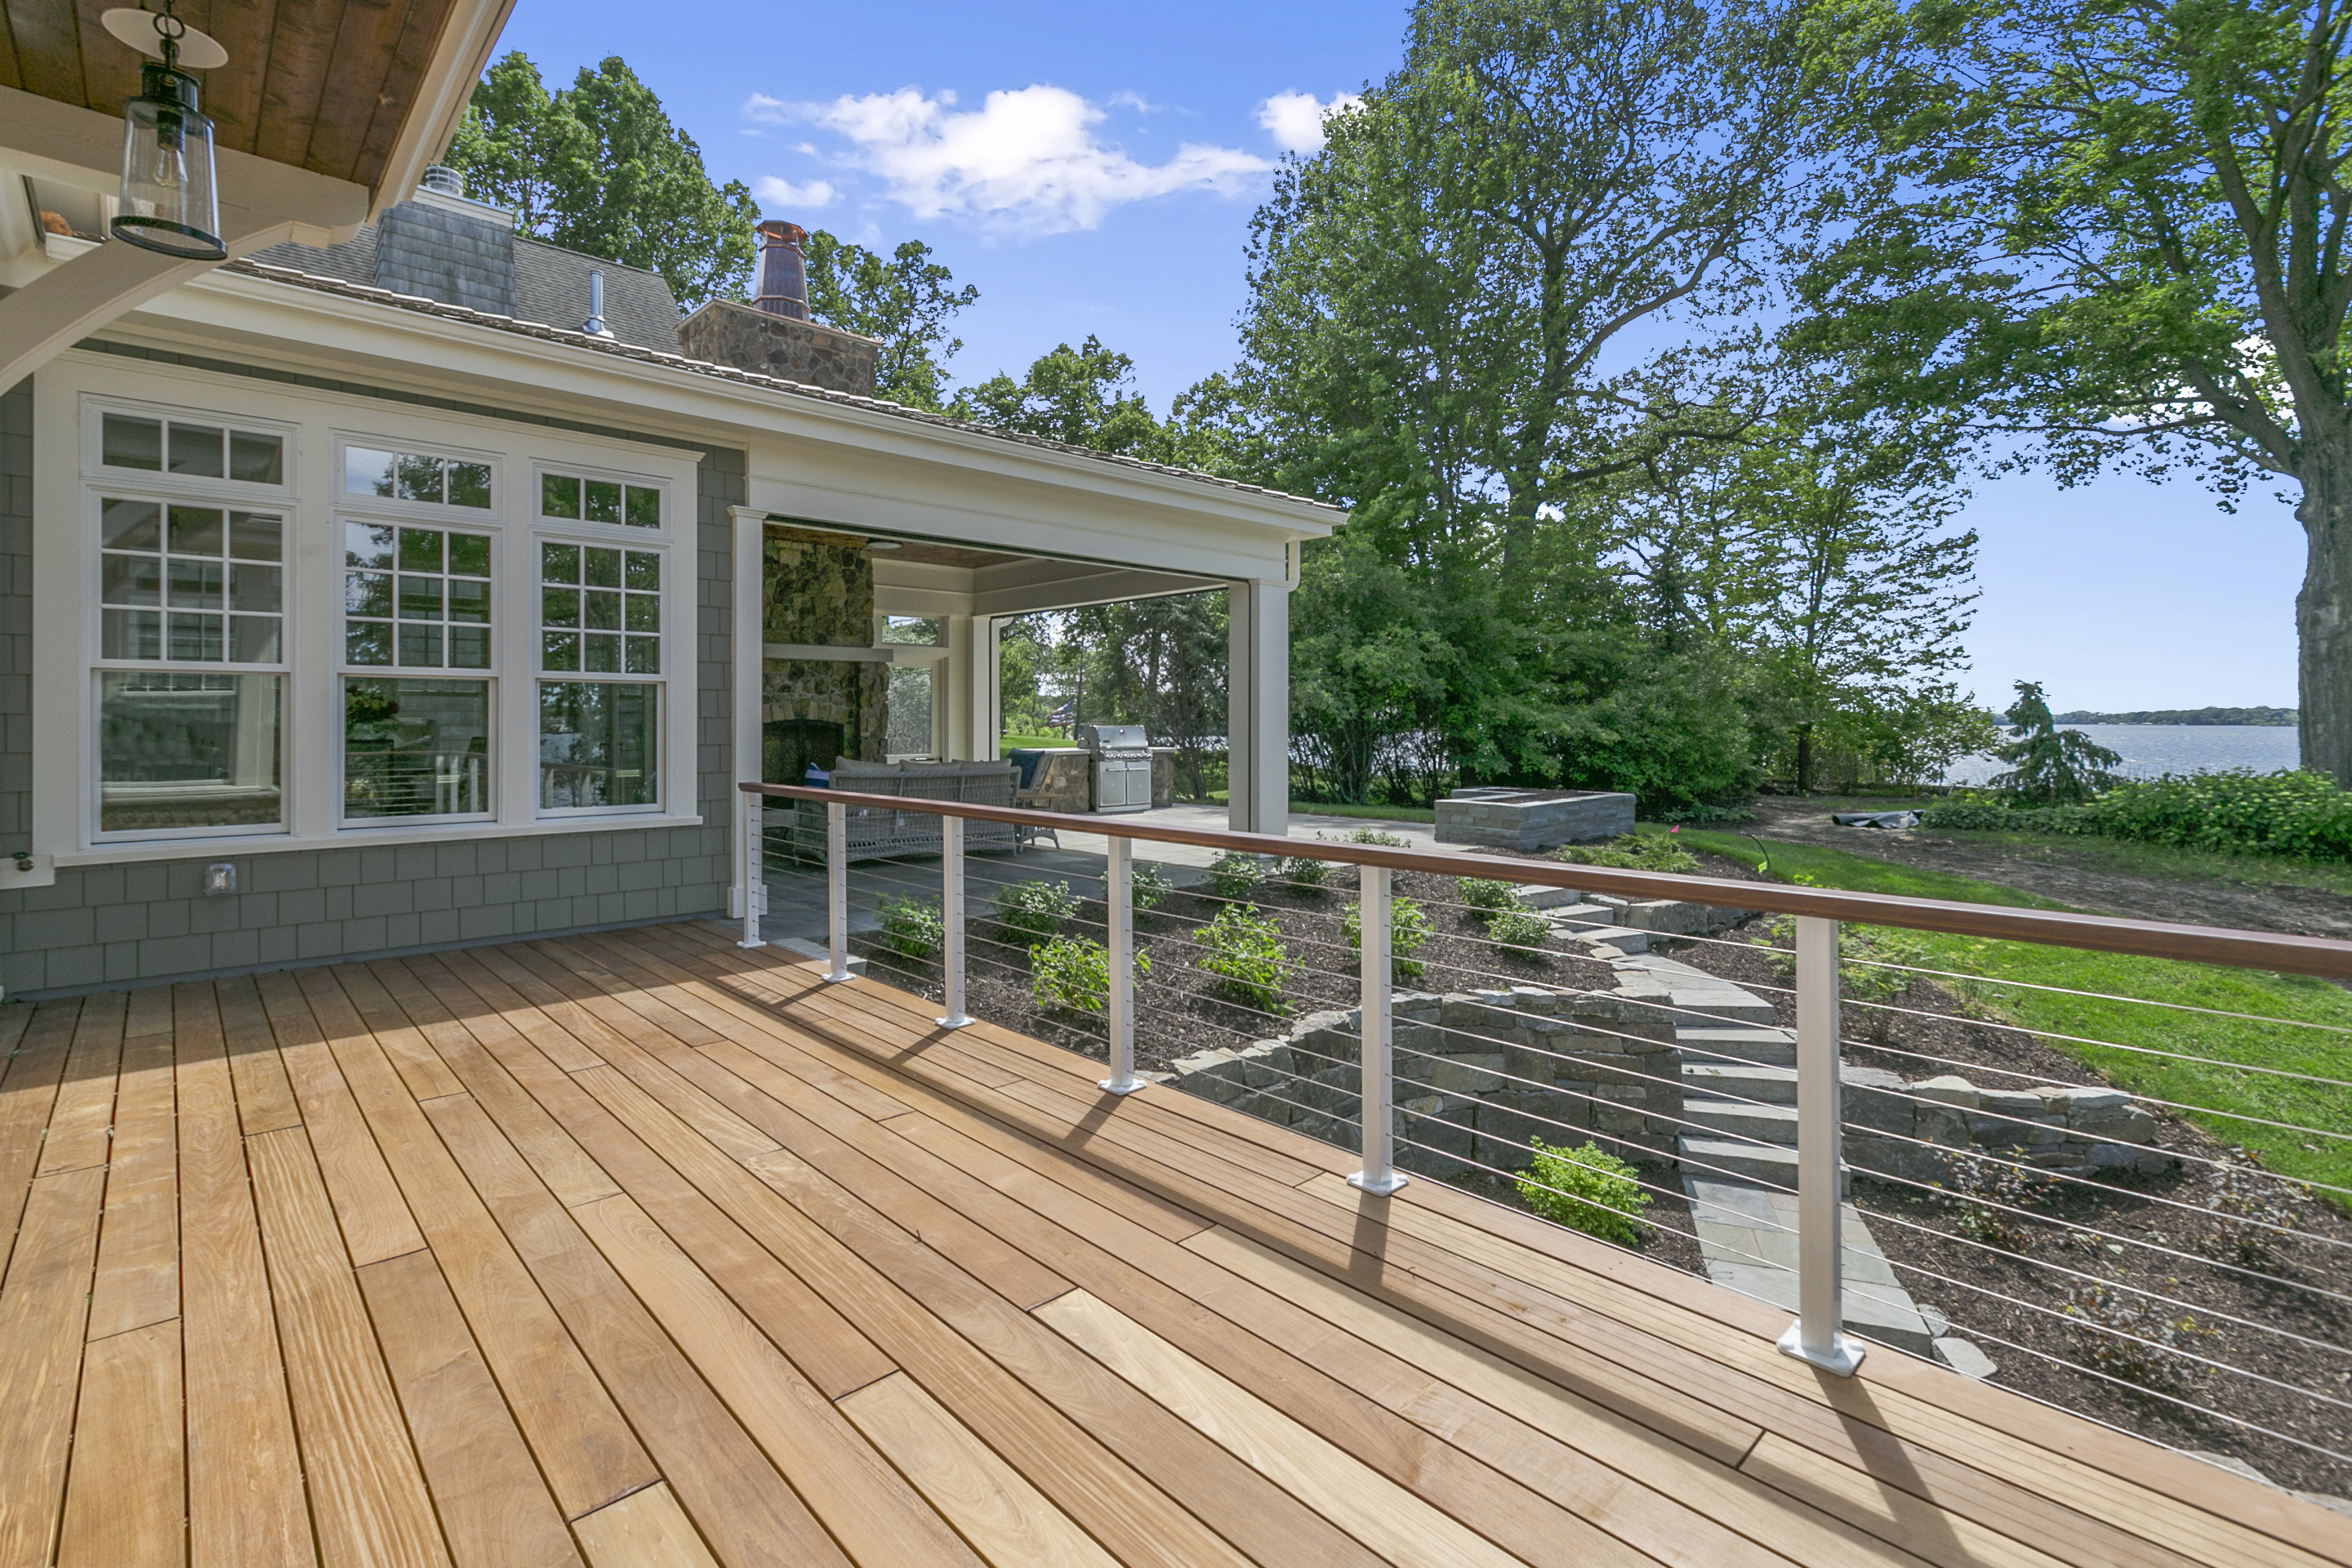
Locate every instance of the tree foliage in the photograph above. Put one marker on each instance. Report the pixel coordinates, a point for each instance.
(2113, 229)
(2047, 765)
(905, 302)
(598, 167)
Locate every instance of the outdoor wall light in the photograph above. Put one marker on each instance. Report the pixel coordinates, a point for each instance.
(170, 203)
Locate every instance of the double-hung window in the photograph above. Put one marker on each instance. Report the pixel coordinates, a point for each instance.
(419, 637)
(601, 658)
(192, 525)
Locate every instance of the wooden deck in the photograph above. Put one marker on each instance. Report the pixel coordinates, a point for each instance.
(638, 1249)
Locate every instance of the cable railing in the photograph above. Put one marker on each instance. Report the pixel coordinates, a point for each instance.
(2164, 1297)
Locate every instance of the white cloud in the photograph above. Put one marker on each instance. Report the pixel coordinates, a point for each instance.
(768, 110)
(1128, 98)
(1295, 120)
(776, 194)
(1025, 161)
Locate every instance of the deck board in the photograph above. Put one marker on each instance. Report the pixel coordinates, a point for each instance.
(640, 1250)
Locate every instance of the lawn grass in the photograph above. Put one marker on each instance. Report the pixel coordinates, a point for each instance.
(2164, 861)
(2270, 1039)
(1033, 743)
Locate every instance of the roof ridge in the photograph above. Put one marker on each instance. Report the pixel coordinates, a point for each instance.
(295, 276)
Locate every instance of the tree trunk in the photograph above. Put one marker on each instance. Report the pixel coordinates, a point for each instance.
(2322, 611)
(1804, 759)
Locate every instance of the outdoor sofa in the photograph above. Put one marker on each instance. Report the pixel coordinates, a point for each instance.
(880, 833)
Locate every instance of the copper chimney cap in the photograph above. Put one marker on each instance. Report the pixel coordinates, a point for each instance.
(783, 270)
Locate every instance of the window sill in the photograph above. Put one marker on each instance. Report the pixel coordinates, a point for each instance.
(117, 854)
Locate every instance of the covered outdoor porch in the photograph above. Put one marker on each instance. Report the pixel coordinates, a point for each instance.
(637, 1248)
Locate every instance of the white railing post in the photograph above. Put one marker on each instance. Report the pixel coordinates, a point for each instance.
(1119, 916)
(753, 871)
(951, 910)
(1380, 1174)
(1818, 1333)
(836, 887)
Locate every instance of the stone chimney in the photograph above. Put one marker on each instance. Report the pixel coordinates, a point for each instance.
(772, 335)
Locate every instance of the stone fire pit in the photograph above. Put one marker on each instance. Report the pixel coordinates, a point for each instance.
(1532, 819)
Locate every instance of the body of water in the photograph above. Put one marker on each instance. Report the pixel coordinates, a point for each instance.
(2148, 750)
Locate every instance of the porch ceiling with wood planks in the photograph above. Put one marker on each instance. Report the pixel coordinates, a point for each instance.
(324, 85)
(639, 1249)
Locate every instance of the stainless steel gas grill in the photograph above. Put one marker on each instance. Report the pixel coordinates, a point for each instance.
(1122, 765)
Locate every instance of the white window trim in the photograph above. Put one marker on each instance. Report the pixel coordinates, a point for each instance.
(67, 622)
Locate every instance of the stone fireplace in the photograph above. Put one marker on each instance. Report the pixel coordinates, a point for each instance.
(818, 594)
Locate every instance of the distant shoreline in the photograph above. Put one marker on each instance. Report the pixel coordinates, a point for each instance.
(2272, 718)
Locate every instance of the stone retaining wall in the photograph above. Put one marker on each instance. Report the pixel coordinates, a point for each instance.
(2076, 1130)
(1531, 820)
(1478, 1075)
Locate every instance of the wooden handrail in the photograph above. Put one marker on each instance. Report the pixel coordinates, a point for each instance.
(2324, 956)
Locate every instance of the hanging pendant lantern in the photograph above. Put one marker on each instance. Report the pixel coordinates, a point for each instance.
(170, 203)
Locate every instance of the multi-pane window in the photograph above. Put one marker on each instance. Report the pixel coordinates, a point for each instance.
(598, 740)
(202, 584)
(415, 748)
(195, 448)
(416, 477)
(599, 609)
(576, 497)
(416, 597)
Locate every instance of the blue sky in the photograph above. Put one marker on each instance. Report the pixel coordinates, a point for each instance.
(1093, 168)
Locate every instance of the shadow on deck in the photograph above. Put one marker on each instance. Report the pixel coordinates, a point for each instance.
(639, 1249)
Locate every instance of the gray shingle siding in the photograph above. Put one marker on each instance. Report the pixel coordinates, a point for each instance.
(446, 255)
(143, 923)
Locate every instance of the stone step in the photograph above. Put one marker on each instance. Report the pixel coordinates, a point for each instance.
(1562, 899)
(1718, 1158)
(1624, 938)
(1710, 1115)
(1773, 1085)
(1585, 917)
(1730, 1044)
(1722, 1001)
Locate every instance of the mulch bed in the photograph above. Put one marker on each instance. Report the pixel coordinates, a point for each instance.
(1181, 1008)
(2015, 1294)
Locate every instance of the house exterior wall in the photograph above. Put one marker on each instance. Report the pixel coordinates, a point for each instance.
(144, 921)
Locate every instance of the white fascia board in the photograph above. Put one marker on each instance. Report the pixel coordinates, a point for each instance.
(852, 466)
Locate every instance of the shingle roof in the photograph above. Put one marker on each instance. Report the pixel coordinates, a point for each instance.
(621, 347)
(551, 284)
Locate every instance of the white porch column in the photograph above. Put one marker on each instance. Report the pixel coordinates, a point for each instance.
(747, 606)
(1257, 708)
(973, 717)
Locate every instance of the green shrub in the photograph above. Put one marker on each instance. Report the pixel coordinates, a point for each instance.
(1234, 875)
(1035, 909)
(1245, 950)
(1407, 930)
(912, 926)
(1303, 872)
(1587, 1190)
(1374, 835)
(1072, 974)
(1148, 886)
(1485, 897)
(1706, 815)
(1519, 928)
(2306, 815)
(1634, 852)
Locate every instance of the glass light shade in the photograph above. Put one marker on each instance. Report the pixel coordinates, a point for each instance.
(170, 203)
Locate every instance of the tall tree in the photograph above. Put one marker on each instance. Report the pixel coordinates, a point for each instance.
(904, 302)
(1454, 307)
(598, 167)
(1083, 396)
(2114, 230)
